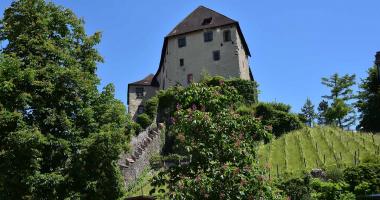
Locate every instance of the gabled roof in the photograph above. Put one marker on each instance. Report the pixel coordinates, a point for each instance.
(194, 21)
(145, 81)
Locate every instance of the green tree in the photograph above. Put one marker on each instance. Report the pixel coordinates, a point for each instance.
(340, 111)
(219, 144)
(278, 117)
(322, 111)
(308, 112)
(369, 102)
(59, 137)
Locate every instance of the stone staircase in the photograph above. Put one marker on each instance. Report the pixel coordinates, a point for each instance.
(143, 147)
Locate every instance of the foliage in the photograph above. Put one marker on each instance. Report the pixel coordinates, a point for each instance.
(277, 116)
(363, 179)
(325, 190)
(340, 112)
(246, 88)
(59, 137)
(222, 151)
(143, 120)
(322, 113)
(218, 143)
(241, 91)
(151, 107)
(308, 112)
(133, 127)
(369, 102)
(296, 188)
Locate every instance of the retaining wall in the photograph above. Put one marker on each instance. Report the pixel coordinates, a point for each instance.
(143, 147)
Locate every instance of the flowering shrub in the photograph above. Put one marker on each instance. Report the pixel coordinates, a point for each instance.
(222, 152)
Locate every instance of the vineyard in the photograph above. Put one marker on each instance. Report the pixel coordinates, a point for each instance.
(321, 147)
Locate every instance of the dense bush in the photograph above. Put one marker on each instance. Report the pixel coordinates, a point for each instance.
(363, 179)
(296, 188)
(133, 127)
(150, 107)
(356, 181)
(246, 88)
(278, 116)
(220, 142)
(325, 190)
(222, 150)
(143, 120)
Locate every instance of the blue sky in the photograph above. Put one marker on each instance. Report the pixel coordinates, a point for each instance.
(293, 43)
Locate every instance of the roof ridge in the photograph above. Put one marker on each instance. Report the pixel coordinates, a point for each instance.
(192, 22)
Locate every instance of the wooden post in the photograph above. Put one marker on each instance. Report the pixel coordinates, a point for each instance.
(340, 154)
(355, 159)
(277, 171)
(324, 158)
(304, 162)
(373, 139)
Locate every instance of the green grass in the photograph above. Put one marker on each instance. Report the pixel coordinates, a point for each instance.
(321, 147)
(143, 187)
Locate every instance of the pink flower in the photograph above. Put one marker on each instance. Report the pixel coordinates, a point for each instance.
(172, 120)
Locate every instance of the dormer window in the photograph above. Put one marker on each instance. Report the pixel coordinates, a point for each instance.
(207, 36)
(181, 42)
(207, 21)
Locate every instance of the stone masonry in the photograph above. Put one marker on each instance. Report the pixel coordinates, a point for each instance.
(143, 147)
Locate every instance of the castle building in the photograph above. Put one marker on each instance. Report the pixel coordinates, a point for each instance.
(205, 42)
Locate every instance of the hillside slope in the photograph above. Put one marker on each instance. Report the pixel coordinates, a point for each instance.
(320, 147)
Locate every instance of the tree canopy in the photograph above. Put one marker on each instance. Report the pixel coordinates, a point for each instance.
(59, 136)
(369, 102)
(218, 143)
(340, 112)
(308, 113)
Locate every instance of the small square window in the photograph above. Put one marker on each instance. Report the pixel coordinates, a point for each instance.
(139, 93)
(181, 62)
(207, 36)
(216, 55)
(207, 21)
(140, 109)
(181, 42)
(189, 78)
(227, 35)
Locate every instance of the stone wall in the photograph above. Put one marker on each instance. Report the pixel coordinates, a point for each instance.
(143, 147)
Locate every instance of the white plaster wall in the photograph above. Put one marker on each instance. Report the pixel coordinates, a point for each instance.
(134, 102)
(243, 59)
(198, 58)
